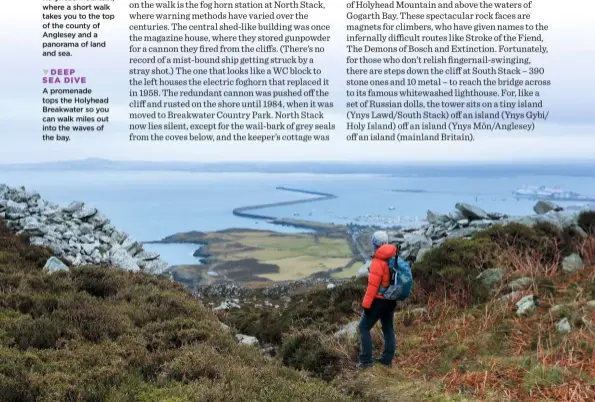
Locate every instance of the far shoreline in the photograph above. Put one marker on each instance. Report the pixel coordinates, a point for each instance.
(215, 248)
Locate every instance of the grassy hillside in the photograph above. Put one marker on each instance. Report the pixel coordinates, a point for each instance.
(458, 338)
(97, 334)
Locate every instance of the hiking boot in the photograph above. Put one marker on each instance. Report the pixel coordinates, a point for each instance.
(389, 365)
(361, 366)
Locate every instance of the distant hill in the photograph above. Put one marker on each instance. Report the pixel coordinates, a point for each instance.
(564, 168)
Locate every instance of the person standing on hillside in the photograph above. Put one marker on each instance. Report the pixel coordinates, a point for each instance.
(376, 307)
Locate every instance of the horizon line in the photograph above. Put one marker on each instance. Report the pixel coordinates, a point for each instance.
(357, 162)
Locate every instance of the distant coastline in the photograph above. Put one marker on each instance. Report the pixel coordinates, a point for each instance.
(396, 169)
(244, 212)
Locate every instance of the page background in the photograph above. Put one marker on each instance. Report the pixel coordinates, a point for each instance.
(567, 135)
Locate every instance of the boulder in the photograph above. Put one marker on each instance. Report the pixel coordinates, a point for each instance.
(509, 297)
(496, 216)
(32, 226)
(558, 308)
(247, 340)
(572, 263)
(471, 212)
(121, 259)
(53, 264)
(481, 223)
(491, 276)
(84, 213)
(421, 253)
(462, 232)
(543, 207)
(416, 241)
(118, 237)
(456, 216)
(435, 218)
(73, 207)
(560, 219)
(154, 267)
(563, 326)
(520, 284)
(147, 256)
(15, 207)
(348, 331)
(526, 305)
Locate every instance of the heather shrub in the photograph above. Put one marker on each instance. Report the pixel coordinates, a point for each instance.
(310, 350)
(586, 220)
(102, 334)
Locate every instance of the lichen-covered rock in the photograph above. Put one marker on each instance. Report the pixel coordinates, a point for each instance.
(119, 257)
(572, 263)
(247, 340)
(520, 284)
(526, 305)
(53, 264)
(510, 296)
(491, 276)
(154, 267)
(563, 326)
(84, 213)
(471, 212)
(73, 207)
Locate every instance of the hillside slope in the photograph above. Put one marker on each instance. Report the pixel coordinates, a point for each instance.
(508, 315)
(100, 334)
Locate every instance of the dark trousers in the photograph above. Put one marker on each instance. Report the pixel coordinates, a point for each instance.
(383, 310)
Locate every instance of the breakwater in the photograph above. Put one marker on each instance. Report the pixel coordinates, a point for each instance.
(245, 212)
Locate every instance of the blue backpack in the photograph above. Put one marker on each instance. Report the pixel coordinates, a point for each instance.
(401, 280)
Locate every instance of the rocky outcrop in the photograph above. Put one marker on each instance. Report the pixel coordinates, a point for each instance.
(466, 220)
(77, 234)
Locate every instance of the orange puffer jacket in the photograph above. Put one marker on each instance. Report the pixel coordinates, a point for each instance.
(379, 274)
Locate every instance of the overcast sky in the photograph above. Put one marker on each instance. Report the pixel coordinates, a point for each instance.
(568, 133)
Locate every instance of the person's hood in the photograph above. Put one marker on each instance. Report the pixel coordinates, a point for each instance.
(385, 252)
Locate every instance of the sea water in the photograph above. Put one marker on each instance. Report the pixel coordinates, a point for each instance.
(152, 205)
